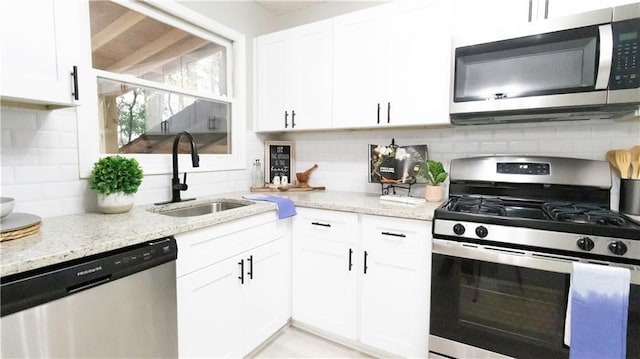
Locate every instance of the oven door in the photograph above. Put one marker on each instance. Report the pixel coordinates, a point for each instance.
(488, 301)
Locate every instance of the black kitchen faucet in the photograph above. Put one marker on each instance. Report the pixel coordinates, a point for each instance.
(176, 186)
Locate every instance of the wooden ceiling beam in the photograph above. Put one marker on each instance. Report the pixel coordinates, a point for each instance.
(148, 50)
(114, 29)
(184, 48)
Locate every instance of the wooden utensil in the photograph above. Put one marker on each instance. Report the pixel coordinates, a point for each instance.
(635, 162)
(623, 160)
(611, 158)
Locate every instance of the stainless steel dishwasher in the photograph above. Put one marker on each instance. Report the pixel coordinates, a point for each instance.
(117, 304)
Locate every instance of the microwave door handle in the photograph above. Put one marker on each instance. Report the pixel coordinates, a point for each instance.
(606, 54)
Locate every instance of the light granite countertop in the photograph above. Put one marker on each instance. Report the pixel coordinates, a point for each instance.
(74, 236)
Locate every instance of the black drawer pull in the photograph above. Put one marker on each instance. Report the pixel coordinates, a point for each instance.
(293, 119)
(286, 119)
(402, 235)
(321, 224)
(241, 277)
(350, 261)
(250, 272)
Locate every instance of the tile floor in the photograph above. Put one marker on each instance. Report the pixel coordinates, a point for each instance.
(296, 343)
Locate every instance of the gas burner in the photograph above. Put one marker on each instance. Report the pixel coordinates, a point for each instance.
(490, 206)
(582, 213)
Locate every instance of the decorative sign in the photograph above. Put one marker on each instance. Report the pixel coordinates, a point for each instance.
(396, 164)
(279, 161)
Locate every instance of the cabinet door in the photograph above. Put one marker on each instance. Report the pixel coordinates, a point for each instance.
(265, 293)
(38, 39)
(360, 51)
(272, 81)
(210, 312)
(324, 284)
(419, 59)
(558, 8)
(395, 288)
(311, 91)
(472, 16)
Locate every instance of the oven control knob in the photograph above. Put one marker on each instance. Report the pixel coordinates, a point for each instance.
(458, 229)
(618, 248)
(481, 231)
(585, 243)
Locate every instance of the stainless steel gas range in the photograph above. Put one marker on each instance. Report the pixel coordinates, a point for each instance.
(503, 248)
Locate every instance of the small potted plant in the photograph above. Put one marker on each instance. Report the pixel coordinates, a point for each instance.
(116, 179)
(435, 175)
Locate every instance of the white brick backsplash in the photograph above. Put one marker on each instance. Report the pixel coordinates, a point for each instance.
(39, 156)
(58, 121)
(38, 174)
(6, 175)
(23, 192)
(38, 139)
(51, 156)
(18, 119)
(6, 139)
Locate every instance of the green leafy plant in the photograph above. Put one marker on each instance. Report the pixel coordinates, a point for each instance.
(434, 172)
(113, 174)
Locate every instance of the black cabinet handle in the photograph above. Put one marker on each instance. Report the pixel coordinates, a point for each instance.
(365, 261)
(546, 9)
(250, 272)
(76, 91)
(286, 119)
(321, 224)
(241, 277)
(293, 119)
(388, 112)
(402, 235)
(378, 113)
(350, 261)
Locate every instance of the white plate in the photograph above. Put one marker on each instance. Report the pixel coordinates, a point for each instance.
(14, 221)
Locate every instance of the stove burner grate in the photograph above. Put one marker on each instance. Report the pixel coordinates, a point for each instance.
(582, 213)
(491, 206)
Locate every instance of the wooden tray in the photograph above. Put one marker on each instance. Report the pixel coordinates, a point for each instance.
(287, 189)
(19, 233)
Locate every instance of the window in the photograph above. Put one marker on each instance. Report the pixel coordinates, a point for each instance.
(158, 69)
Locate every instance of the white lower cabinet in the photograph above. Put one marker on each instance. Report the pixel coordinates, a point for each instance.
(232, 302)
(324, 281)
(364, 278)
(395, 286)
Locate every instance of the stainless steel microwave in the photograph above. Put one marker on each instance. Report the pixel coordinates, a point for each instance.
(582, 66)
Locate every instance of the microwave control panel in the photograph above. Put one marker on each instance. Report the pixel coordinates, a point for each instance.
(625, 65)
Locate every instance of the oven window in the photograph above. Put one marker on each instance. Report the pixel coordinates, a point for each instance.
(506, 309)
(510, 310)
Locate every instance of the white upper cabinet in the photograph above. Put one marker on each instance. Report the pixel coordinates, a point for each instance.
(294, 78)
(472, 16)
(359, 69)
(565, 7)
(391, 65)
(419, 61)
(38, 51)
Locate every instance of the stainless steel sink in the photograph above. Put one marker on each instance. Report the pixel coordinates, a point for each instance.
(202, 209)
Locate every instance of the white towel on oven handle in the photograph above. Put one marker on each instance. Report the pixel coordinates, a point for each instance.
(591, 284)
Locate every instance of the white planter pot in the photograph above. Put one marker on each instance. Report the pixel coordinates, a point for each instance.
(115, 203)
(434, 193)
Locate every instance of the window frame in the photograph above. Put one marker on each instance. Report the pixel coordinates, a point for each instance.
(176, 15)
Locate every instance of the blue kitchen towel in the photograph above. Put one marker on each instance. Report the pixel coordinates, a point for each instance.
(597, 312)
(284, 205)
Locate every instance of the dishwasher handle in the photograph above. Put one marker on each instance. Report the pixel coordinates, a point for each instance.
(90, 284)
